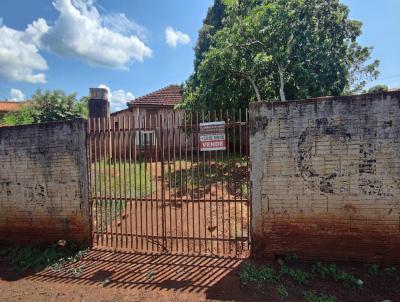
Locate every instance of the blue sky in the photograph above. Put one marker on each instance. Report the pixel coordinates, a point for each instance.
(134, 47)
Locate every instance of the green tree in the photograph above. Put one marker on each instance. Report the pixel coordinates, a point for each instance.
(378, 88)
(286, 49)
(49, 106)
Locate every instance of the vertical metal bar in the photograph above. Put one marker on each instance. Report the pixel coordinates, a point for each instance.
(120, 180)
(210, 186)
(241, 186)
(169, 178)
(89, 157)
(228, 176)
(145, 181)
(198, 180)
(181, 178)
(163, 218)
(96, 179)
(175, 184)
(100, 180)
(130, 176)
(216, 189)
(151, 146)
(135, 141)
(233, 177)
(124, 145)
(109, 148)
(114, 201)
(157, 135)
(192, 180)
(104, 182)
(222, 191)
(249, 213)
(204, 192)
(187, 183)
(140, 159)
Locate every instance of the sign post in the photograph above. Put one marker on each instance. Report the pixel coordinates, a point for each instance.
(212, 136)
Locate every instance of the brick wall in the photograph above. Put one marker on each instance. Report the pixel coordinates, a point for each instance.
(43, 183)
(326, 177)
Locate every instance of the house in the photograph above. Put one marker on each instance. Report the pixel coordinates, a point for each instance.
(147, 111)
(160, 102)
(8, 107)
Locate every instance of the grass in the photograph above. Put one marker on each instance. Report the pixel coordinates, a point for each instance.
(305, 276)
(202, 174)
(124, 179)
(310, 296)
(54, 257)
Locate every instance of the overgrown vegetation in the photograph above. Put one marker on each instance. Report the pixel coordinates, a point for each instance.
(54, 257)
(122, 179)
(308, 277)
(203, 175)
(251, 50)
(311, 296)
(50, 106)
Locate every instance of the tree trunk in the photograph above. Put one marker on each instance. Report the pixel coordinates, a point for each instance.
(253, 83)
(282, 84)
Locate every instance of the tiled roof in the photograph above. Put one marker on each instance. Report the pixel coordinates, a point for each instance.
(165, 97)
(10, 106)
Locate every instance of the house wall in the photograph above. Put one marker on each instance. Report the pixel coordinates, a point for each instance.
(44, 183)
(326, 177)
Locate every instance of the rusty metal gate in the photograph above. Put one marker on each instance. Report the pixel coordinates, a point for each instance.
(153, 189)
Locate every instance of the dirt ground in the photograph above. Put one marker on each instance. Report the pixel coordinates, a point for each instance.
(105, 275)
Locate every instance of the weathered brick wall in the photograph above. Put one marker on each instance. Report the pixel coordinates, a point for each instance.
(325, 177)
(43, 183)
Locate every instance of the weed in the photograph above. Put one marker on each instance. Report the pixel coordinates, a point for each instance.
(374, 270)
(301, 277)
(310, 296)
(282, 292)
(252, 274)
(333, 272)
(37, 259)
(390, 272)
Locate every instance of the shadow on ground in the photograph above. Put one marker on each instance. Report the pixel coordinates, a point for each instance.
(210, 275)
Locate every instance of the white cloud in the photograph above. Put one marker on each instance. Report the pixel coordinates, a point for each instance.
(121, 24)
(118, 98)
(1, 21)
(19, 53)
(174, 37)
(80, 32)
(16, 95)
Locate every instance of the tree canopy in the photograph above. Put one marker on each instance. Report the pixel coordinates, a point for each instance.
(276, 49)
(46, 107)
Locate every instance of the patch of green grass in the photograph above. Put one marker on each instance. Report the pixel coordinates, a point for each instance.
(107, 212)
(331, 271)
(264, 274)
(310, 296)
(376, 271)
(299, 276)
(232, 172)
(33, 258)
(122, 179)
(282, 292)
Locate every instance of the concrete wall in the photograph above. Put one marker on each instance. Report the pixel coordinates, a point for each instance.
(326, 177)
(43, 183)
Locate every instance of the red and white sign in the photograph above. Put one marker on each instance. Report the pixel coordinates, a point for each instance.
(212, 136)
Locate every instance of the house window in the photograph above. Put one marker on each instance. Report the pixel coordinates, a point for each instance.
(145, 138)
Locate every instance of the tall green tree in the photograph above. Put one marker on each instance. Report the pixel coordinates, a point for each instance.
(49, 106)
(280, 49)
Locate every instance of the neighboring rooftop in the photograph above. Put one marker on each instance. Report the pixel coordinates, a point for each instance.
(166, 97)
(10, 106)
